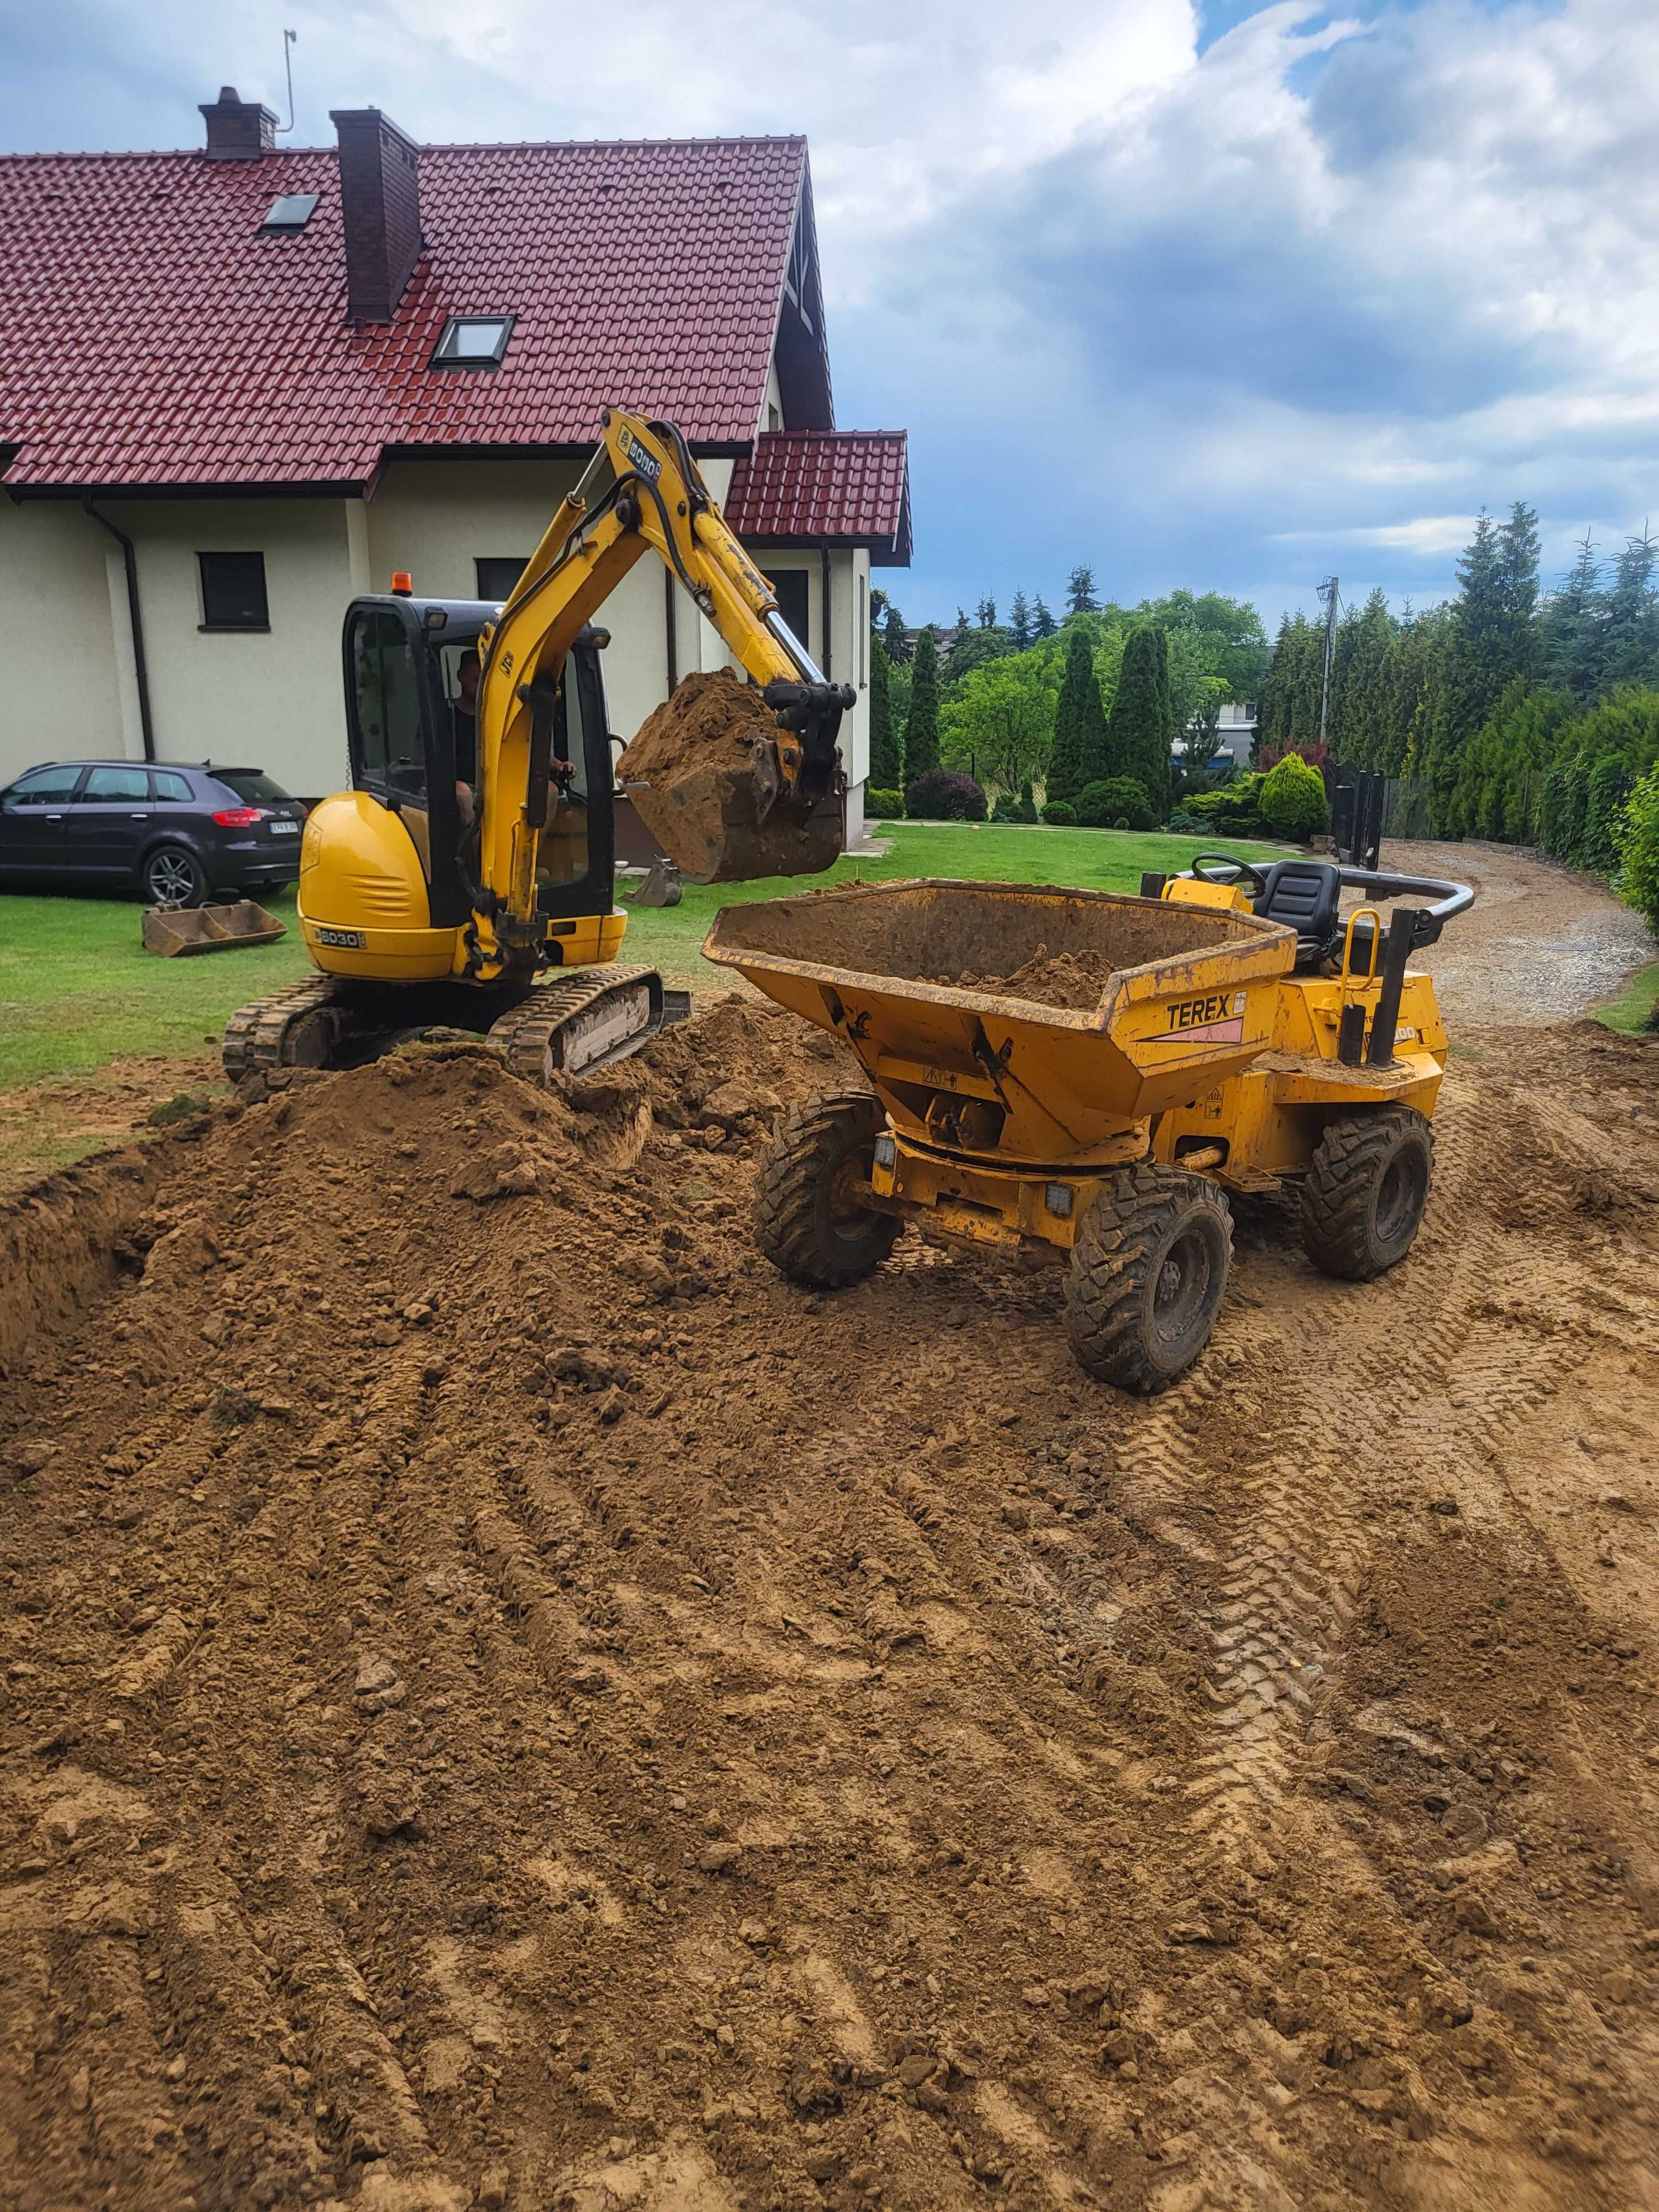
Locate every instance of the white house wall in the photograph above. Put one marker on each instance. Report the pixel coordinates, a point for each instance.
(273, 699)
(844, 656)
(60, 685)
(269, 699)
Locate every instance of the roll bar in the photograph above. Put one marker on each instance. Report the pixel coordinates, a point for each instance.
(1448, 899)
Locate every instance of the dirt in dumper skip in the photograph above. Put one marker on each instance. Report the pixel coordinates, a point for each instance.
(509, 1702)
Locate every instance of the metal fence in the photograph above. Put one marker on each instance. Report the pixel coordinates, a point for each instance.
(1406, 807)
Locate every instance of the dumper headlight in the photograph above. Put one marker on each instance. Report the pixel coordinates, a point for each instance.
(1057, 1197)
(887, 1152)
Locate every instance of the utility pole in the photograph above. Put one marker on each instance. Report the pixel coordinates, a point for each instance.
(1328, 592)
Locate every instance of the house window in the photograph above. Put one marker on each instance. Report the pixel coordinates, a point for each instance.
(290, 211)
(774, 420)
(497, 575)
(792, 588)
(473, 342)
(234, 591)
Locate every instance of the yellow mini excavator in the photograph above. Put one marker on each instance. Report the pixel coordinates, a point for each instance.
(444, 891)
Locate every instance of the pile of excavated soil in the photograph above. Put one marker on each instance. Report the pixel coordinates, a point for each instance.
(1072, 980)
(691, 774)
(509, 1702)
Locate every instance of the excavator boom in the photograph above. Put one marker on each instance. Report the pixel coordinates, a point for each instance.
(774, 812)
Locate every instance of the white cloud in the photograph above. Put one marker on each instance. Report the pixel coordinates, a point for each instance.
(1427, 534)
(1192, 318)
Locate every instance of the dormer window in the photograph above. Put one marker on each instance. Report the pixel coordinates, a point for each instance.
(290, 211)
(473, 342)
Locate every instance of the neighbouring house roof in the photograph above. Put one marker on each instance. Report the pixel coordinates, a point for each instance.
(819, 487)
(152, 337)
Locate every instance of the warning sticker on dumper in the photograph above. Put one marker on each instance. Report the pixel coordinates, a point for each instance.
(1218, 1018)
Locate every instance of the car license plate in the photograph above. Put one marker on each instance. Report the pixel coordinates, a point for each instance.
(284, 828)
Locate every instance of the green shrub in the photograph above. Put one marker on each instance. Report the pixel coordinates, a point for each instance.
(1605, 793)
(1236, 807)
(1027, 808)
(883, 805)
(1116, 802)
(1292, 800)
(1561, 812)
(1638, 848)
(1059, 814)
(944, 794)
(1180, 824)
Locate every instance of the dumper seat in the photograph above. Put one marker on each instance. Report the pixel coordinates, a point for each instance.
(1303, 893)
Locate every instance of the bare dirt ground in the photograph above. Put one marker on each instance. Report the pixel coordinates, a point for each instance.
(508, 1703)
(44, 1124)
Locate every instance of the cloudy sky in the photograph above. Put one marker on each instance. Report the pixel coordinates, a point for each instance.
(1223, 295)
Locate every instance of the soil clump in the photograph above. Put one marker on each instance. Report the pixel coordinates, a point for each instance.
(509, 1702)
(690, 770)
(1072, 980)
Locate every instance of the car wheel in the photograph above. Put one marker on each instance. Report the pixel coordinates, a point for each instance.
(173, 875)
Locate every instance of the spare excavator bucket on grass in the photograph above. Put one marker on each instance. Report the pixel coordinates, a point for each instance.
(172, 930)
(703, 777)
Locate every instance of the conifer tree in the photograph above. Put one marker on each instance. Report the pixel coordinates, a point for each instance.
(1019, 622)
(1632, 618)
(1080, 591)
(1575, 618)
(887, 748)
(1273, 698)
(1079, 753)
(1139, 734)
(894, 634)
(1366, 701)
(1043, 623)
(921, 731)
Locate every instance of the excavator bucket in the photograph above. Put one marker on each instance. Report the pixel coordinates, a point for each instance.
(703, 777)
(172, 930)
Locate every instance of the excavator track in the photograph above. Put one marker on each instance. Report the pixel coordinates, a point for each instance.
(298, 1027)
(591, 1016)
(596, 1015)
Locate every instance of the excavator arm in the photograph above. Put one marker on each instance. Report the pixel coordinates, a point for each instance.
(641, 491)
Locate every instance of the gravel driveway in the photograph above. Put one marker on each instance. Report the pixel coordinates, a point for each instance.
(1540, 945)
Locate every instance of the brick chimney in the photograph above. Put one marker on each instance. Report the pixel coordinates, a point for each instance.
(238, 129)
(380, 210)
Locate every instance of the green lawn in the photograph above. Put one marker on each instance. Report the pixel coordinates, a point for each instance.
(78, 990)
(1631, 1013)
(77, 987)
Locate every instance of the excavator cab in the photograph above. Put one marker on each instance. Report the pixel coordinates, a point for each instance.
(411, 713)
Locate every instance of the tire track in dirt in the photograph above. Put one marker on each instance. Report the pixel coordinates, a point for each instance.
(798, 1790)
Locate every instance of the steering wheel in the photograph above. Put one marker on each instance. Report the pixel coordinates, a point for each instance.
(1256, 878)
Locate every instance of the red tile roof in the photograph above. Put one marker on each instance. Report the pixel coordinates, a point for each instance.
(150, 335)
(839, 487)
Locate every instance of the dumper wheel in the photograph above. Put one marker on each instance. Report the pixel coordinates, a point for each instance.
(809, 1219)
(1363, 1201)
(1148, 1269)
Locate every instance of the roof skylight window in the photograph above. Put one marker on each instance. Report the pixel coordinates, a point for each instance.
(473, 342)
(290, 211)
